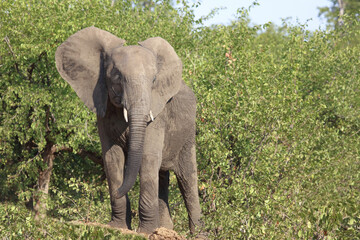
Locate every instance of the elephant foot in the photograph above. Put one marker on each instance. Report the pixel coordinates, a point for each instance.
(167, 225)
(118, 224)
(198, 230)
(145, 230)
(201, 236)
(166, 222)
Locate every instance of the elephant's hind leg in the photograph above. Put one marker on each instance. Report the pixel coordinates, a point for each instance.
(164, 212)
(186, 174)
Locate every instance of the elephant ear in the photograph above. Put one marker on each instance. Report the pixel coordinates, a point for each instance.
(168, 79)
(80, 61)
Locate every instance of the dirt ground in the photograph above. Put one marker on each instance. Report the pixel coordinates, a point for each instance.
(165, 234)
(159, 234)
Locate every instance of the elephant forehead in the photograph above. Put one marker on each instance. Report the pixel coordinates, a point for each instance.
(134, 60)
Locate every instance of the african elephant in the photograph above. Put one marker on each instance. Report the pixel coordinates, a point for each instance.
(145, 117)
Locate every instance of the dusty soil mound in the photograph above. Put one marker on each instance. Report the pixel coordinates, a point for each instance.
(165, 234)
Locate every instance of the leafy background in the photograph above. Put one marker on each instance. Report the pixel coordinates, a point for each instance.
(277, 127)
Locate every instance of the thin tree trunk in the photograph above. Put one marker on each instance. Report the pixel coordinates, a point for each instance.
(41, 194)
(342, 5)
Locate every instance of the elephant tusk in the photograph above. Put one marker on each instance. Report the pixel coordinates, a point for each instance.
(151, 116)
(125, 115)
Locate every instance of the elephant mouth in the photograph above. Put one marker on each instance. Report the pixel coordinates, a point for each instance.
(118, 104)
(149, 117)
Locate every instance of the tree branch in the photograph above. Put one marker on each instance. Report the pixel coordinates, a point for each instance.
(84, 153)
(33, 65)
(7, 41)
(92, 156)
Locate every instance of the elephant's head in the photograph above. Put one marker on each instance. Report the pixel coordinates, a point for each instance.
(138, 79)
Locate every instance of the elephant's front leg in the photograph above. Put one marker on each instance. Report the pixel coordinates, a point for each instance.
(164, 211)
(149, 180)
(114, 161)
(114, 167)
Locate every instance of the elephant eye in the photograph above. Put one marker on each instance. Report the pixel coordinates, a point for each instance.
(115, 75)
(154, 79)
(116, 78)
(116, 94)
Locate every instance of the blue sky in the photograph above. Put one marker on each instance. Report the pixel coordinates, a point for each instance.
(268, 10)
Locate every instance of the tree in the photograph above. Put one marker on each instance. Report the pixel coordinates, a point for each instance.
(339, 8)
(342, 5)
(40, 115)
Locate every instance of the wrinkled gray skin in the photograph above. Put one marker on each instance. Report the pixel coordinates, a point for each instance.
(160, 133)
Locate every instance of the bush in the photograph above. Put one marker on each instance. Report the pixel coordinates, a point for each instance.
(278, 132)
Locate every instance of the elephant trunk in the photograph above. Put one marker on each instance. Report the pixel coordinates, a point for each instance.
(137, 125)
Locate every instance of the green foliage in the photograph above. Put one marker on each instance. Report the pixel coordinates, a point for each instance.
(351, 8)
(278, 122)
(278, 132)
(16, 222)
